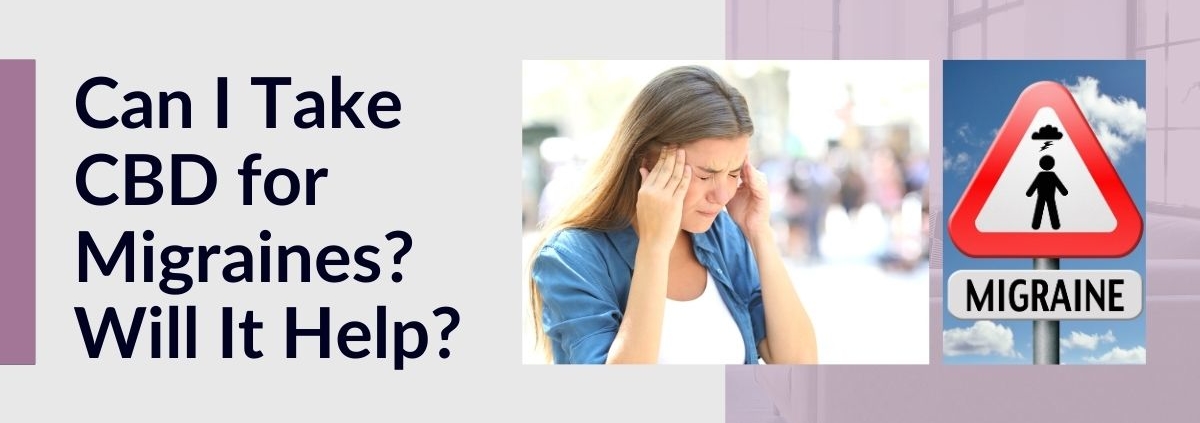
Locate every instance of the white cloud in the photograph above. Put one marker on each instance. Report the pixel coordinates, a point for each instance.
(961, 163)
(982, 338)
(1086, 341)
(964, 132)
(958, 163)
(966, 135)
(1135, 355)
(1117, 122)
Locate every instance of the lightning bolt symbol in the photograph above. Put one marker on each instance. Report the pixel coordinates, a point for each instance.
(1046, 145)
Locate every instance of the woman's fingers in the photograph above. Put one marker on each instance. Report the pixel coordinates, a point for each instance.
(750, 177)
(686, 180)
(671, 172)
(754, 182)
(665, 167)
(671, 168)
(760, 180)
(656, 173)
(677, 166)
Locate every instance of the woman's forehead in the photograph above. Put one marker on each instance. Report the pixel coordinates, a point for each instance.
(718, 153)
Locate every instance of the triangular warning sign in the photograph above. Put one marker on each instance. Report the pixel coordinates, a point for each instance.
(1045, 188)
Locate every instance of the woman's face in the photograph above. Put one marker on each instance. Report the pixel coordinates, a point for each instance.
(716, 174)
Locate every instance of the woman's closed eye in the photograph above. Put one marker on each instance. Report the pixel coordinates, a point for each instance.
(707, 177)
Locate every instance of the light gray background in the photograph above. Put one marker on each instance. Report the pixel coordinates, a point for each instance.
(448, 175)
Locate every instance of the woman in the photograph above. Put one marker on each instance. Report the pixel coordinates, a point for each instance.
(667, 256)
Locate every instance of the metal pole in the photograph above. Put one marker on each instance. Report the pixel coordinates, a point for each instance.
(1045, 332)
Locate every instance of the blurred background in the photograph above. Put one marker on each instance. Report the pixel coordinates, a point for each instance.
(844, 145)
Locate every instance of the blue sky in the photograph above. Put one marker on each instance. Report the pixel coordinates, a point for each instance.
(977, 97)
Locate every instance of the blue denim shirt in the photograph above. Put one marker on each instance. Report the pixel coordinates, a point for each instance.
(584, 276)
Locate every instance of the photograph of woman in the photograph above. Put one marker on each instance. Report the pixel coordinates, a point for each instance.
(668, 254)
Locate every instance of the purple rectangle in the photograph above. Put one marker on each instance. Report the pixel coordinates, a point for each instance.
(937, 393)
(1162, 33)
(17, 285)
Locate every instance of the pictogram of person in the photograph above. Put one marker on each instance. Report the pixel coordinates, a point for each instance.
(1045, 184)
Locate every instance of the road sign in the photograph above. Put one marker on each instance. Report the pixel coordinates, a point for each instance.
(1045, 188)
(1044, 294)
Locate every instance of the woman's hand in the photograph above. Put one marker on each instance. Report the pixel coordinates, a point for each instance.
(790, 338)
(659, 215)
(750, 207)
(660, 200)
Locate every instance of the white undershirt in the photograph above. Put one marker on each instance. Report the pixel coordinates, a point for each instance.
(700, 331)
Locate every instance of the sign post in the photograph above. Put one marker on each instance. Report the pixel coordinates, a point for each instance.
(1045, 332)
(1045, 190)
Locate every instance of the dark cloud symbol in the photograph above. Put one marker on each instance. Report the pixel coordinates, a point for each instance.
(1048, 132)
